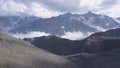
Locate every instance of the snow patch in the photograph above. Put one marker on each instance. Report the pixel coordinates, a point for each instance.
(62, 27)
(107, 24)
(117, 20)
(99, 28)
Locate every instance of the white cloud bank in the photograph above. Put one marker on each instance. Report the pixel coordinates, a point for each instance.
(75, 35)
(30, 34)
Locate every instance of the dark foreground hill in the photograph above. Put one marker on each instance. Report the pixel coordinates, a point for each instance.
(16, 53)
(103, 41)
(100, 50)
(56, 45)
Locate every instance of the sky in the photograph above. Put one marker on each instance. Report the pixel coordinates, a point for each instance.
(49, 8)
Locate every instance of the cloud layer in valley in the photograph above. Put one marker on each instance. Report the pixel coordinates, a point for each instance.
(75, 35)
(48, 8)
(30, 34)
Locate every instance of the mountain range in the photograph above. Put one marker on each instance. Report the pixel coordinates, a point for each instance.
(64, 26)
(68, 22)
(59, 25)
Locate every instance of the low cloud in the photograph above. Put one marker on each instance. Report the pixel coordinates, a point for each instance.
(30, 34)
(75, 35)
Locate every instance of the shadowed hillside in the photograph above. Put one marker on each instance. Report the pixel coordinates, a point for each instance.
(100, 50)
(103, 41)
(56, 45)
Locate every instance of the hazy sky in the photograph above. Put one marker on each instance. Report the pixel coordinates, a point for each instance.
(48, 8)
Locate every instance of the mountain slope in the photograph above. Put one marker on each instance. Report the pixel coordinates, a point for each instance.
(103, 41)
(16, 53)
(68, 22)
(7, 23)
(99, 22)
(117, 19)
(101, 50)
(55, 25)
